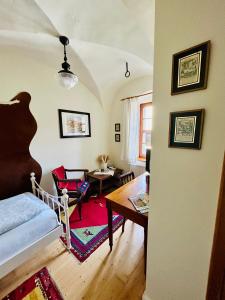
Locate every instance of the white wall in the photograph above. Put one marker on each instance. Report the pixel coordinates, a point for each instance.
(19, 72)
(135, 87)
(185, 183)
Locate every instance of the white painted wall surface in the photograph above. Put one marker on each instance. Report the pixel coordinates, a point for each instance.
(19, 72)
(185, 183)
(133, 88)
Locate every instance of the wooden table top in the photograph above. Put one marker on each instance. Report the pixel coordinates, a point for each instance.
(132, 188)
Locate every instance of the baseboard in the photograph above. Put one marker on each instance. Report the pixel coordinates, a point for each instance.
(145, 297)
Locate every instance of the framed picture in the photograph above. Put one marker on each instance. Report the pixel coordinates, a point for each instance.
(117, 127)
(74, 124)
(117, 137)
(190, 69)
(186, 129)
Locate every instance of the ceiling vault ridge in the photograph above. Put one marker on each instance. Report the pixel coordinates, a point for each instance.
(47, 16)
(120, 49)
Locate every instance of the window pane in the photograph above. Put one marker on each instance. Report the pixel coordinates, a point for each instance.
(147, 111)
(148, 139)
(147, 124)
(144, 137)
(143, 150)
(146, 127)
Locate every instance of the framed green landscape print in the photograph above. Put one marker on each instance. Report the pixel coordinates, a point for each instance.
(185, 129)
(190, 69)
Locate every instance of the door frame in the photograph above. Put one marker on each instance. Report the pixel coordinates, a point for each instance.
(217, 263)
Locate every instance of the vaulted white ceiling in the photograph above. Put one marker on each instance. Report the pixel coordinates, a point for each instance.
(103, 34)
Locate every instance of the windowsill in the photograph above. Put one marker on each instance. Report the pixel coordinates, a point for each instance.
(139, 162)
(141, 159)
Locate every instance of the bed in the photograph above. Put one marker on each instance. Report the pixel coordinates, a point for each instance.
(30, 218)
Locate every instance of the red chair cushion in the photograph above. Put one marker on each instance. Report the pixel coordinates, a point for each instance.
(70, 186)
(59, 172)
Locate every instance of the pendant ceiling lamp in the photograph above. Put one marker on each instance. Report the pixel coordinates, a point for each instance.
(67, 78)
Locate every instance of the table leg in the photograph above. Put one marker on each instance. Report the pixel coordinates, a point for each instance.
(145, 244)
(109, 208)
(100, 187)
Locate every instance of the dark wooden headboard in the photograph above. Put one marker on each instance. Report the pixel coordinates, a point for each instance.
(17, 129)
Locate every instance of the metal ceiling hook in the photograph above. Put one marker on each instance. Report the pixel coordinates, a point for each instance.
(127, 74)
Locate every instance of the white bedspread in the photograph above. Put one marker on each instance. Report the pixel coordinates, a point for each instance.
(22, 236)
(19, 209)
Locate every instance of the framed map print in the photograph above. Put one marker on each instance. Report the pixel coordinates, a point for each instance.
(190, 69)
(186, 129)
(74, 124)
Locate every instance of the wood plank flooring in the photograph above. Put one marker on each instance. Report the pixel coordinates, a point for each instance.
(118, 275)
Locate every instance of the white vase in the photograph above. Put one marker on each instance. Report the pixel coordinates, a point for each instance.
(104, 166)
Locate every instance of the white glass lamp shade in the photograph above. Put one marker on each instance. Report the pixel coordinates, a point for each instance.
(67, 79)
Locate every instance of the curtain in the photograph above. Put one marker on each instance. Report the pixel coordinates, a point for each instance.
(130, 131)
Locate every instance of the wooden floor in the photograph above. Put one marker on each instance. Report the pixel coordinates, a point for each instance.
(103, 276)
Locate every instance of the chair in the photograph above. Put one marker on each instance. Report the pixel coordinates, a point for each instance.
(126, 177)
(76, 188)
(123, 179)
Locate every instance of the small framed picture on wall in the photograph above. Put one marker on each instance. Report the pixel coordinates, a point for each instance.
(190, 69)
(186, 128)
(117, 127)
(117, 137)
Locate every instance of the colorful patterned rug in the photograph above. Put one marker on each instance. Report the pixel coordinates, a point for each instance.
(89, 233)
(40, 286)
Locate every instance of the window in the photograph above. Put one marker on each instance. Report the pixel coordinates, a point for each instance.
(145, 128)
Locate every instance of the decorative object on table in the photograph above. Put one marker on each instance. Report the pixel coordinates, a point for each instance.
(74, 124)
(127, 73)
(66, 78)
(117, 127)
(103, 160)
(117, 137)
(190, 69)
(87, 235)
(140, 202)
(110, 165)
(39, 286)
(186, 129)
(104, 172)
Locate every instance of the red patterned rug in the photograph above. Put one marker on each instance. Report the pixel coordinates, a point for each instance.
(89, 233)
(40, 286)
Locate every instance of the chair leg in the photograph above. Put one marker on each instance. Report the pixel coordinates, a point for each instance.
(79, 204)
(124, 220)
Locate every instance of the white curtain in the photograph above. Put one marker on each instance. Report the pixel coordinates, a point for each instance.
(130, 131)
